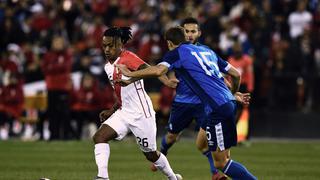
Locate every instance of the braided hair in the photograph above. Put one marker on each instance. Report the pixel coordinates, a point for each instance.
(124, 33)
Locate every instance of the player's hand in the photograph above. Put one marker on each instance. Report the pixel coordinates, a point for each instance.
(105, 114)
(172, 83)
(124, 70)
(243, 98)
(123, 82)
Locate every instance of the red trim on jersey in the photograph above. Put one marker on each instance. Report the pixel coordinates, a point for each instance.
(132, 61)
(117, 86)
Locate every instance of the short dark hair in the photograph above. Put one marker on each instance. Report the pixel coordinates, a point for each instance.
(190, 20)
(175, 35)
(124, 33)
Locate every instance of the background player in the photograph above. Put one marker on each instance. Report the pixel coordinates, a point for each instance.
(132, 112)
(199, 67)
(244, 65)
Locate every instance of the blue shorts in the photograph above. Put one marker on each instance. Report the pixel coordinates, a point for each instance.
(182, 115)
(221, 127)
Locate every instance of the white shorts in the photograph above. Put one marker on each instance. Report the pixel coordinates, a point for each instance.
(143, 128)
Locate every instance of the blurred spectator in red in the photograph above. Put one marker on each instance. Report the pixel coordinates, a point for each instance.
(6, 65)
(95, 32)
(107, 97)
(56, 66)
(150, 45)
(99, 7)
(165, 101)
(85, 104)
(244, 65)
(40, 19)
(16, 55)
(11, 103)
(9, 63)
(32, 69)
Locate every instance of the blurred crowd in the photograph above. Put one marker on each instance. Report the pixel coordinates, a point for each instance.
(48, 39)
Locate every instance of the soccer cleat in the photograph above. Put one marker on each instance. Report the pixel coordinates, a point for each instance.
(219, 176)
(179, 177)
(153, 168)
(100, 178)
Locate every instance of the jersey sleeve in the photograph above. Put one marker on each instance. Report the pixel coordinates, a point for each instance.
(133, 62)
(223, 65)
(170, 58)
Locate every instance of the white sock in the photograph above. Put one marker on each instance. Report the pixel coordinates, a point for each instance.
(102, 153)
(163, 165)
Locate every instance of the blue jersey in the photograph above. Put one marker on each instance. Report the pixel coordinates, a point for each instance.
(183, 93)
(200, 68)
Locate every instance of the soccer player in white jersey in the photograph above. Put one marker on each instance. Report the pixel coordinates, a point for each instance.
(133, 111)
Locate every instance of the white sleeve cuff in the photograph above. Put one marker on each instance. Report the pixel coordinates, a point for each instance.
(227, 67)
(165, 64)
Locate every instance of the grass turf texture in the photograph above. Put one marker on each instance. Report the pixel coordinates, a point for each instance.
(268, 160)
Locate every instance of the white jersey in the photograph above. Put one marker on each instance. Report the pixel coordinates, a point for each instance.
(133, 98)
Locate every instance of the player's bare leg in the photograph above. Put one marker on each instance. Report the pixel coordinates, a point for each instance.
(202, 145)
(201, 141)
(233, 169)
(161, 163)
(167, 141)
(102, 150)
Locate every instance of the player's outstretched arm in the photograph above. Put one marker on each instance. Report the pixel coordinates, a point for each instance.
(126, 82)
(151, 71)
(170, 82)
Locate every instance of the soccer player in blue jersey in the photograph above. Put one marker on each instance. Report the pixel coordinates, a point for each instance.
(187, 106)
(200, 68)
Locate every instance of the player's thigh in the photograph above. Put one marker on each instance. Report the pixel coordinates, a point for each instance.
(145, 131)
(221, 128)
(180, 117)
(118, 122)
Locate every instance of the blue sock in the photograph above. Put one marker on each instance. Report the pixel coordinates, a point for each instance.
(236, 171)
(209, 156)
(165, 146)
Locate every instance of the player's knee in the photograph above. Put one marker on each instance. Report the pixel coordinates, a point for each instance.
(98, 138)
(220, 163)
(201, 146)
(151, 156)
(95, 138)
(171, 138)
(201, 141)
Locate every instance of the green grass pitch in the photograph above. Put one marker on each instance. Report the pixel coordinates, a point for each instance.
(268, 160)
